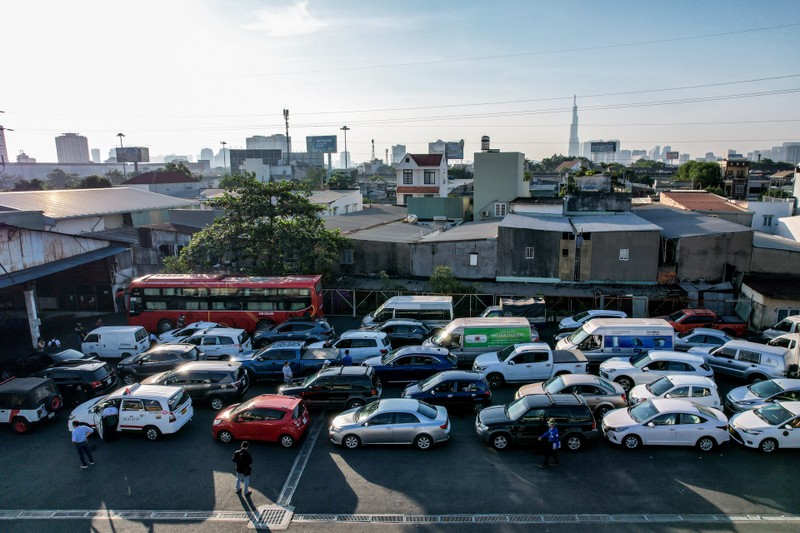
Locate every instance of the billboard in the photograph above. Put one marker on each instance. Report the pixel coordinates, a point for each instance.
(603, 147)
(672, 155)
(450, 149)
(325, 144)
(133, 154)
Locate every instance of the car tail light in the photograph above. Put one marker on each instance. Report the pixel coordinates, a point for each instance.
(373, 392)
(384, 352)
(96, 384)
(624, 397)
(594, 424)
(487, 393)
(172, 417)
(444, 426)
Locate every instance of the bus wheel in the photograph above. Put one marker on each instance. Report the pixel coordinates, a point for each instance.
(165, 325)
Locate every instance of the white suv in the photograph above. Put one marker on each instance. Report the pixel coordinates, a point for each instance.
(221, 343)
(646, 368)
(154, 410)
(362, 344)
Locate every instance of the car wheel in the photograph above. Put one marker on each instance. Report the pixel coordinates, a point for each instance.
(600, 412)
(225, 436)
(574, 442)
(423, 442)
(128, 378)
(706, 444)
(216, 403)
(152, 433)
(500, 441)
(357, 402)
(20, 425)
(478, 407)
(251, 377)
(495, 380)
(755, 378)
(768, 445)
(287, 441)
(264, 324)
(53, 403)
(164, 325)
(351, 442)
(625, 382)
(632, 442)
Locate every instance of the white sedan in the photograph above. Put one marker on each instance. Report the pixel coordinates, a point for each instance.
(771, 426)
(668, 423)
(697, 389)
(648, 367)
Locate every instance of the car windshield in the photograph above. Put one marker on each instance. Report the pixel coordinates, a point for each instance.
(765, 389)
(178, 399)
(580, 316)
(640, 361)
(101, 373)
(385, 359)
(642, 411)
(659, 387)
(578, 336)
(441, 339)
(243, 407)
(429, 382)
(554, 384)
(684, 334)
(366, 411)
(773, 414)
(503, 354)
(516, 409)
(676, 316)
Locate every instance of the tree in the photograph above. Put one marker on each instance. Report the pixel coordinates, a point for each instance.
(443, 281)
(315, 178)
(58, 179)
(702, 174)
(93, 182)
(460, 173)
(178, 167)
(342, 179)
(115, 176)
(25, 185)
(648, 163)
(268, 229)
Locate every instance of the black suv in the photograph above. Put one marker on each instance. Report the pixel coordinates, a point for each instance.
(27, 401)
(30, 364)
(295, 329)
(218, 382)
(337, 387)
(78, 381)
(158, 359)
(525, 420)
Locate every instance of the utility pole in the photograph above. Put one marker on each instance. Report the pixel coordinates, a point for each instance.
(124, 172)
(224, 157)
(345, 129)
(288, 143)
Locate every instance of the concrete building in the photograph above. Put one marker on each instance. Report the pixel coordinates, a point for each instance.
(499, 179)
(175, 184)
(767, 212)
(96, 158)
(72, 148)
(470, 250)
(708, 204)
(338, 202)
(398, 151)
(421, 175)
(789, 228)
(574, 149)
(775, 255)
(735, 173)
(770, 299)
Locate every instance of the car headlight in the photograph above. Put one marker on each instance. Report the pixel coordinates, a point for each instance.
(478, 368)
(217, 421)
(744, 402)
(482, 426)
(608, 370)
(619, 429)
(750, 431)
(335, 429)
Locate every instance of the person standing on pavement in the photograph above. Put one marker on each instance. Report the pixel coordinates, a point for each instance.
(110, 415)
(287, 373)
(80, 332)
(552, 444)
(80, 438)
(244, 463)
(347, 360)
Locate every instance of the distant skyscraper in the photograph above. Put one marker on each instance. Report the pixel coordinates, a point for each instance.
(72, 148)
(96, 155)
(3, 147)
(207, 154)
(344, 159)
(262, 142)
(574, 144)
(398, 151)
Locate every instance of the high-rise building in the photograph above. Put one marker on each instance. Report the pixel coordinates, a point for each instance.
(792, 152)
(398, 151)
(3, 147)
(574, 144)
(262, 142)
(345, 161)
(206, 154)
(72, 148)
(96, 155)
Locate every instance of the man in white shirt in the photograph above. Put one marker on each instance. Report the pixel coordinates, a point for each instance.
(80, 438)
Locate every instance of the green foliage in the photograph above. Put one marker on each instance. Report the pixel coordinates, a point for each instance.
(388, 284)
(342, 179)
(701, 174)
(460, 173)
(442, 281)
(648, 163)
(315, 178)
(175, 264)
(33, 185)
(777, 193)
(715, 190)
(768, 165)
(549, 164)
(178, 167)
(92, 182)
(58, 179)
(268, 229)
(115, 176)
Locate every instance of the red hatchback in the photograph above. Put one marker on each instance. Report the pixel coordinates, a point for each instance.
(268, 417)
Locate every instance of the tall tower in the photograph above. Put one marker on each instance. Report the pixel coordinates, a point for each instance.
(3, 147)
(72, 148)
(574, 145)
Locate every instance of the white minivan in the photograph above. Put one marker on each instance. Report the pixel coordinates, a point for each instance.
(433, 311)
(116, 342)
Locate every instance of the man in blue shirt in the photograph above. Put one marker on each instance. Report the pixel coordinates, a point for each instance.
(80, 438)
(552, 445)
(347, 360)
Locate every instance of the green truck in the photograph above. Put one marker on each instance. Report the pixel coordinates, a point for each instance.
(467, 338)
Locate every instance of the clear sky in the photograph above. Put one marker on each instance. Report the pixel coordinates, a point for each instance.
(181, 75)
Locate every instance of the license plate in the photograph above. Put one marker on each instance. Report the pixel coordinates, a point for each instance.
(183, 411)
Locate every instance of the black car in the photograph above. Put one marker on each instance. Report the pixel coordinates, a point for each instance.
(453, 389)
(525, 420)
(404, 332)
(337, 387)
(28, 401)
(158, 359)
(218, 382)
(295, 329)
(33, 363)
(78, 381)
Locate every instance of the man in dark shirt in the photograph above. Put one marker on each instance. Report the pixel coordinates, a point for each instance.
(244, 462)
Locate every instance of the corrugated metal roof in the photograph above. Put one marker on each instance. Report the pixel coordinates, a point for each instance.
(328, 197)
(774, 242)
(470, 231)
(366, 218)
(609, 223)
(677, 223)
(538, 222)
(393, 232)
(159, 177)
(76, 203)
(123, 234)
(30, 274)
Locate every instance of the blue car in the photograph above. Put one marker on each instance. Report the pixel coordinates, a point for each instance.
(412, 363)
(452, 389)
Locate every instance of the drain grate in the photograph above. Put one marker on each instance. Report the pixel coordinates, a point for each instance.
(272, 517)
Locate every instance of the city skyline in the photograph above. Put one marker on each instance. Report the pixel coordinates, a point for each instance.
(701, 78)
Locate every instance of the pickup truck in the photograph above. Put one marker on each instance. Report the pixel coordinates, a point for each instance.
(530, 361)
(267, 363)
(687, 319)
(790, 341)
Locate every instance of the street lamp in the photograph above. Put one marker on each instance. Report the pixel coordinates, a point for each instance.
(345, 129)
(124, 172)
(224, 157)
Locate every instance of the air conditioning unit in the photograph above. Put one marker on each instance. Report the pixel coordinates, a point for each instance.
(484, 213)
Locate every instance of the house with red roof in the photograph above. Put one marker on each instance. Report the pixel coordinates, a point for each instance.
(420, 175)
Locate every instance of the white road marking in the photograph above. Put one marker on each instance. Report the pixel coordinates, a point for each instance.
(290, 485)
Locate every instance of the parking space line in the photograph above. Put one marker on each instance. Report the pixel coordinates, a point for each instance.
(287, 491)
(538, 518)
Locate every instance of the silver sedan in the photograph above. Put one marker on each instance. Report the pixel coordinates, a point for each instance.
(391, 421)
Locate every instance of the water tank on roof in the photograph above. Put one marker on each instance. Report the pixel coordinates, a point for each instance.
(485, 143)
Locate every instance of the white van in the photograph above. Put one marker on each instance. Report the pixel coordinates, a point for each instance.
(116, 342)
(467, 338)
(434, 311)
(601, 338)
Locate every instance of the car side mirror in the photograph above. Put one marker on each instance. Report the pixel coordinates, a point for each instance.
(668, 396)
(788, 426)
(259, 359)
(141, 361)
(433, 392)
(365, 424)
(237, 419)
(511, 363)
(651, 425)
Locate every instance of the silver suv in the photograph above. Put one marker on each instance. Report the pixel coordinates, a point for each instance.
(362, 344)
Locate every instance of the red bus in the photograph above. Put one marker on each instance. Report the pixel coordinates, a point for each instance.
(157, 301)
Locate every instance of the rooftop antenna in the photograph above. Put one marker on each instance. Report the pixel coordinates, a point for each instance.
(373, 149)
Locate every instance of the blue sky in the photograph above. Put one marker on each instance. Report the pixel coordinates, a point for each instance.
(182, 75)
